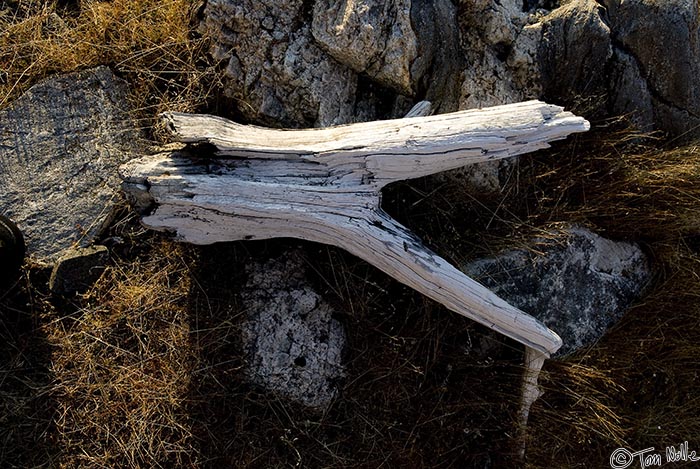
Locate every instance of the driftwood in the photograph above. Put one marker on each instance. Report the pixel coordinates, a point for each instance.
(324, 185)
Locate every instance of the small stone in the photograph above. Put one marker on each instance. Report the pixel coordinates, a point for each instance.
(293, 343)
(78, 269)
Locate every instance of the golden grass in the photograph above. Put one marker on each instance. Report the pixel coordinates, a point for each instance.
(151, 43)
(122, 365)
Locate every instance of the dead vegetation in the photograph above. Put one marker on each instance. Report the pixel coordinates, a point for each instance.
(145, 370)
(147, 42)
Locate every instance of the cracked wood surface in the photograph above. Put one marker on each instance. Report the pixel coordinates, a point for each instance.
(324, 185)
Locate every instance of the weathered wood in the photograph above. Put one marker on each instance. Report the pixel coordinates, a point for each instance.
(324, 185)
(534, 360)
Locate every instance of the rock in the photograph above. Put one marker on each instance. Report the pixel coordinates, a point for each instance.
(576, 283)
(12, 250)
(276, 72)
(660, 41)
(637, 57)
(303, 64)
(293, 344)
(575, 53)
(501, 53)
(78, 269)
(61, 143)
(369, 36)
(440, 64)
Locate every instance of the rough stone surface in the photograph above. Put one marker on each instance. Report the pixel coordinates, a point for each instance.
(661, 40)
(61, 143)
(577, 283)
(575, 52)
(276, 72)
(78, 269)
(500, 47)
(370, 37)
(633, 57)
(302, 64)
(293, 344)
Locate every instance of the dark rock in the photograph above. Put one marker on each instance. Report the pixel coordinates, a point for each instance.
(12, 251)
(293, 343)
(575, 53)
(634, 57)
(61, 143)
(576, 283)
(661, 41)
(78, 269)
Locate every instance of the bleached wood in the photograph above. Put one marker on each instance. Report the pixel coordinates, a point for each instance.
(534, 360)
(324, 185)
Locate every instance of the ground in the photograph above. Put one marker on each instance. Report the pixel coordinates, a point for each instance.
(146, 368)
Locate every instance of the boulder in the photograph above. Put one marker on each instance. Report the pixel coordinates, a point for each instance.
(576, 282)
(658, 40)
(370, 37)
(634, 57)
(61, 143)
(574, 54)
(293, 344)
(78, 269)
(500, 47)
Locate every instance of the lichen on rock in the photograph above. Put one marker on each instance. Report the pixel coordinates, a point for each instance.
(576, 282)
(293, 344)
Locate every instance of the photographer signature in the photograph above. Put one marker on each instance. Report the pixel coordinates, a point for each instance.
(622, 458)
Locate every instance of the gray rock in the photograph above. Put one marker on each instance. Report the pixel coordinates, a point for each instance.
(370, 36)
(661, 39)
(78, 269)
(61, 143)
(575, 52)
(302, 64)
(293, 344)
(501, 51)
(576, 282)
(276, 72)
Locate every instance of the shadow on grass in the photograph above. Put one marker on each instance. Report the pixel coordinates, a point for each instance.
(27, 406)
(419, 390)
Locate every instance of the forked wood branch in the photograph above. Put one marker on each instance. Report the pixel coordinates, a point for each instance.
(324, 185)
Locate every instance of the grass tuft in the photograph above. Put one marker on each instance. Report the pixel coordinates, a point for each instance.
(151, 43)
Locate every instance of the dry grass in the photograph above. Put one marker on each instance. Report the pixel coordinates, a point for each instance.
(149, 42)
(122, 366)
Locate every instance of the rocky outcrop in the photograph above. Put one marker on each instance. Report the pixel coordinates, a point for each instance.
(499, 42)
(302, 64)
(61, 143)
(293, 344)
(375, 38)
(305, 64)
(637, 57)
(577, 283)
(276, 72)
(658, 48)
